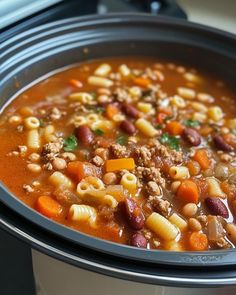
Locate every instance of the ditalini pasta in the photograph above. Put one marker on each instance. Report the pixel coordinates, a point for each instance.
(133, 150)
(214, 188)
(83, 213)
(33, 139)
(129, 181)
(59, 179)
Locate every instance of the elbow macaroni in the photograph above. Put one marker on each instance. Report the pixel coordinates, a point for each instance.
(146, 127)
(83, 97)
(215, 113)
(83, 213)
(178, 221)
(33, 139)
(59, 179)
(179, 172)
(162, 227)
(186, 93)
(124, 70)
(103, 70)
(145, 107)
(100, 81)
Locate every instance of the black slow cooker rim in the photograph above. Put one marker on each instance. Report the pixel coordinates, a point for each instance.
(213, 258)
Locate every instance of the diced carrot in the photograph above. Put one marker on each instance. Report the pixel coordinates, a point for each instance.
(225, 186)
(118, 164)
(174, 128)
(193, 167)
(76, 83)
(161, 118)
(198, 241)
(188, 192)
(48, 206)
(166, 110)
(205, 130)
(202, 158)
(111, 111)
(80, 170)
(142, 82)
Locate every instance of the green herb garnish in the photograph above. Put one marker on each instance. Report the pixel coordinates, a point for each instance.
(94, 94)
(98, 132)
(167, 118)
(191, 123)
(234, 131)
(100, 110)
(96, 109)
(70, 143)
(158, 126)
(122, 140)
(41, 123)
(171, 141)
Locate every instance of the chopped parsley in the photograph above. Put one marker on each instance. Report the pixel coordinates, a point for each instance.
(167, 118)
(191, 123)
(98, 132)
(100, 110)
(122, 140)
(171, 141)
(70, 143)
(96, 109)
(94, 95)
(158, 126)
(42, 123)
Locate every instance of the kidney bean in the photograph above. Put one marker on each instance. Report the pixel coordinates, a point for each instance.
(84, 135)
(127, 127)
(220, 144)
(217, 207)
(134, 214)
(138, 240)
(192, 136)
(130, 110)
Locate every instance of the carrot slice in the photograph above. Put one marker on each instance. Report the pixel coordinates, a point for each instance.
(111, 111)
(48, 206)
(76, 83)
(202, 158)
(174, 128)
(188, 192)
(118, 164)
(80, 170)
(198, 241)
(142, 82)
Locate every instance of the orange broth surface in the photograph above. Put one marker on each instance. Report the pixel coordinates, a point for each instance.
(119, 224)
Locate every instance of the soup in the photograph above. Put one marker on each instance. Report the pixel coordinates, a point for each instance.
(132, 150)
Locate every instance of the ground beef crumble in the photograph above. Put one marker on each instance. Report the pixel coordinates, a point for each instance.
(98, 161)
(51, 150)
(143, 156)
(119, 151)
(153, 188)
(150, 174)
(159, 205)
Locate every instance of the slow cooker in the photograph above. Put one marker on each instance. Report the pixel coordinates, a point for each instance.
(86, 264)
